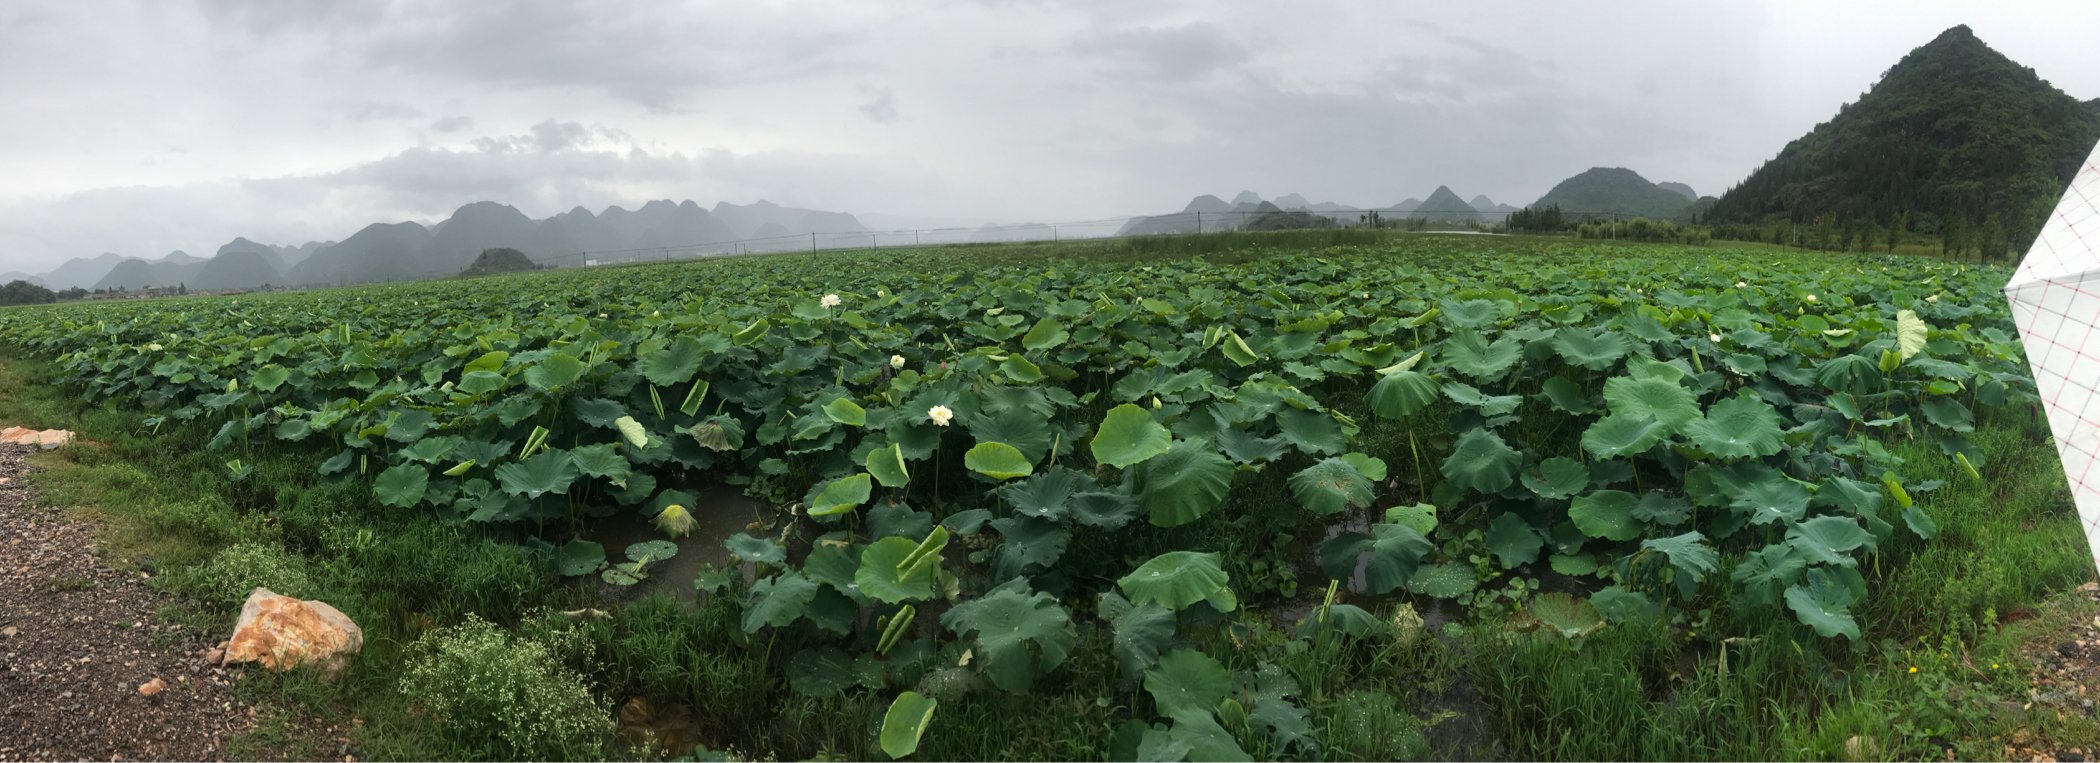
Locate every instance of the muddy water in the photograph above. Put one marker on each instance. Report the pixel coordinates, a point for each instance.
(720, 512)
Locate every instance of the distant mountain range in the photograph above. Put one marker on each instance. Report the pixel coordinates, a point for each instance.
(408, 250)
(1215, 214)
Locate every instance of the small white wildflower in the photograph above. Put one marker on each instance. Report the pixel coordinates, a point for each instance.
(1741, 285)
(1933, 298)
(1810, 298)
(829, 300)
(896, 361)
(940, 415)
(155, 347)
(1715, 338)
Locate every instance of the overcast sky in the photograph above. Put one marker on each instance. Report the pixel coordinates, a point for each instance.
(142, 127)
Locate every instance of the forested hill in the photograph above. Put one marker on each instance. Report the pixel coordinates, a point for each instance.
(1955, 139)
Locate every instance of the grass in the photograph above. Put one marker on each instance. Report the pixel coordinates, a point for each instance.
(1984, 593)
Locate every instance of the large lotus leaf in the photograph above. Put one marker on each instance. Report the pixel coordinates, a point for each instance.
(1738, 427)
(1199, 737)
(489, 362)
(1389, 556)
(1828, 539)
(1622, 435)
(602, 460)
(1763, 575)
(402, 485)
(481, 382)
(886, 465)
(1026, 430)
(1513, 541)
(268, 378)
(1184, 484)
(841, 495)
(754, 549)
(998, 461)
(1313, 432)
(1246, 448)
(1948, 413)
(1566, 615)
(578, 557)
(1177, 579)
(777, 601)
(549, 472)
(1330, 486)
(1688, 553)
(1141, 631)
(1824, 603)
(1910, 334)
(1771, 499)
(1401, 394)
(1488, 405)
(1236, 350)
(1045, 495)
(879, 577)
(1567, 395)
(674, 364)
(1557, 478)
(1045, 334)
(1620, 605)
(1030, 544)
(718, 433)
(1849, 373)
(844, 411)
(1595, 352)
(1482, 462)
(1444, 581)
(1469, 353)
(1606, 514)
(1666, 402)
(1020, 636)
(557, 371)
(1128, 436)
(1420, 517)
(1186, 679)
(652, 551)
(904, 723)
(1105, 509)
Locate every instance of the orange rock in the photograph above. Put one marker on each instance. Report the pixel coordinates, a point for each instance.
(280, 632)
(48, 439)
(18, 436)
(152, 687)
(53, 439)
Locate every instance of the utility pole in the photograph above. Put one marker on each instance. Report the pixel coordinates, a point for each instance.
(1199, 221)
(812, 241)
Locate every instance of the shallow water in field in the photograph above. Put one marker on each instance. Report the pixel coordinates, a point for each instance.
(722, 511)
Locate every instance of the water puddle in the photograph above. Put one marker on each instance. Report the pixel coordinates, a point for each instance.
(720, 512)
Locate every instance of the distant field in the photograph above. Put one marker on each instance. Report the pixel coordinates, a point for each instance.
(1341, 494)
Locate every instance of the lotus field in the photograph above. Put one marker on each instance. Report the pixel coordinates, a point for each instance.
(976, 460)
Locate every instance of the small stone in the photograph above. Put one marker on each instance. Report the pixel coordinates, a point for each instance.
(9, 631)
(152, 687)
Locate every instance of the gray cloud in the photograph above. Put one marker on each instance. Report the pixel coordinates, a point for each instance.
(306, 119)
(452, 124)
(881, 107)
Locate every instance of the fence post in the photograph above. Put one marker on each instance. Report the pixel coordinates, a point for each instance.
(1199, 221)
(812, 241)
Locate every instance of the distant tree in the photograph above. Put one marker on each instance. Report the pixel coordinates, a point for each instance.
(1990, 241)
(1868, 233)
(1895, 230)
(182, 288)
(25, 293)
(73, 293)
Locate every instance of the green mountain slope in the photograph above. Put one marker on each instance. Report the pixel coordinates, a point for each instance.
(1955, 137)
(1613, 191)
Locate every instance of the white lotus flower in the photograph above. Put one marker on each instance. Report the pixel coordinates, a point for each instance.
(1933, 298)
(896, 361)
(1715, 338)
(940, 415)
(1741, 285)
(1810, 298)
(829, 300)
